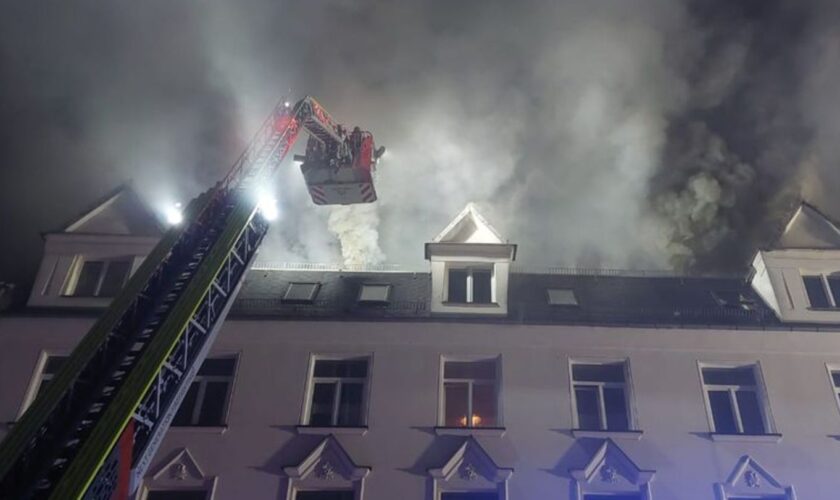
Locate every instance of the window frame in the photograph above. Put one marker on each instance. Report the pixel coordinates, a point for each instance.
(388, 286)
(37, 378)
(316, 288)
(204, 379)
(835, 389)
(69, 289)
(574, 297)
(306, 414)
(497, 390)
(826, 288)
(469, 267)
(759, 389)
(627, 385)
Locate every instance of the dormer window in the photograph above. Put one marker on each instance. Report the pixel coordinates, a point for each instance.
(823, 291)
(99, 278)
(470, 285)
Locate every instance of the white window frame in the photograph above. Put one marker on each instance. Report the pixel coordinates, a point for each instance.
(759, 389)
(825, 286)
(37, 378)
(79, 264)
(312, 380)
(497, 360)
(203, 380)
(626, 385)
(470, 267)
(830, 369)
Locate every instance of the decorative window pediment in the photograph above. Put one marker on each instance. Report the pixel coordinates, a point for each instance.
(470, 469)
(751, 480)
(327, 467)
(180, 472)
(610, 471)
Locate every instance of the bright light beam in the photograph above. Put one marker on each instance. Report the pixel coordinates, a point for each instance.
(173, 214)
(267, 205)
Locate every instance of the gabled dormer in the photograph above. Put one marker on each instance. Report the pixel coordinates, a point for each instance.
(470, 265)
(799, 276)
(88, 259)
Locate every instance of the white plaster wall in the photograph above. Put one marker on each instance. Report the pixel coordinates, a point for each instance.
(401, 443)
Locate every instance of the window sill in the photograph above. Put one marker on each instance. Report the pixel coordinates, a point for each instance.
(591, 433)
(315, 429)
(199, 429)
(482, 305)
(750, 438)
(470, 431)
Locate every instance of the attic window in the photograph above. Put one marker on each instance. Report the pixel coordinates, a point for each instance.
(371, 293)
(301, 293)
(99, 278)
(470, 285)
(733, 299)
(562, 297)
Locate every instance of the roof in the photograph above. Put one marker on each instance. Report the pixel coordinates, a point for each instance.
(613, 300)
(120, 211)
(809, 228)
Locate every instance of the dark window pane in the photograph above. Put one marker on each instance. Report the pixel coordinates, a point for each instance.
(213, 406)
(185, 411)
(323, 397)
(816, 291)
(457, 285)
(301, 292)
(53, 364)
(484, 405)
(722, 412)
(482, 370)
(586, 398)
(616, 407)
(356, 368)
(482, 286)
(612, 372)
(751, 419)
(455, 404)
(463, 495)
(115, 276)
(835, 376)
(834, 287)
(88, 278)
(350, 405)
(222, 367)
(177, 495)
(324, 495)
(744, 375)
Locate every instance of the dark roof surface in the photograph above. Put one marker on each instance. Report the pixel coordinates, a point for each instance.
(628, 300)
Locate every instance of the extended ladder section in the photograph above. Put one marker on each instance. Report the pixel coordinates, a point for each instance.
(94, 431)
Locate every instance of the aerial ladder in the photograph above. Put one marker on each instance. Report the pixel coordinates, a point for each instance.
(93, 432)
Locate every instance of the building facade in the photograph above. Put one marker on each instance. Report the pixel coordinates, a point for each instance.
(478, 380)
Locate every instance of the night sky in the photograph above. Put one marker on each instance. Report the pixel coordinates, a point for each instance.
(659, 134)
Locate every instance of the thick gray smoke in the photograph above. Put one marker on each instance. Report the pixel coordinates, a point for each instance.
(651, 133)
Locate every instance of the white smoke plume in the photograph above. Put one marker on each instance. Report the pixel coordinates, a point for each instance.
(355, 226)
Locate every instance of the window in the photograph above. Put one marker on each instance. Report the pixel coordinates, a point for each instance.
(733, 400)
(600, 396)
(177, 495)
(301, 293)
(490, 495)
(823, 290)
(470, 388)
(374, 293)
(834, 373)
(49, 368)
(562, 297)
(100, 278)
(471, 285)
(205, 404)
(338, 392)
(325, 495)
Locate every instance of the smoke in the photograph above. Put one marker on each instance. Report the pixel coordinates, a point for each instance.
(355, 226)
(654, 133)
